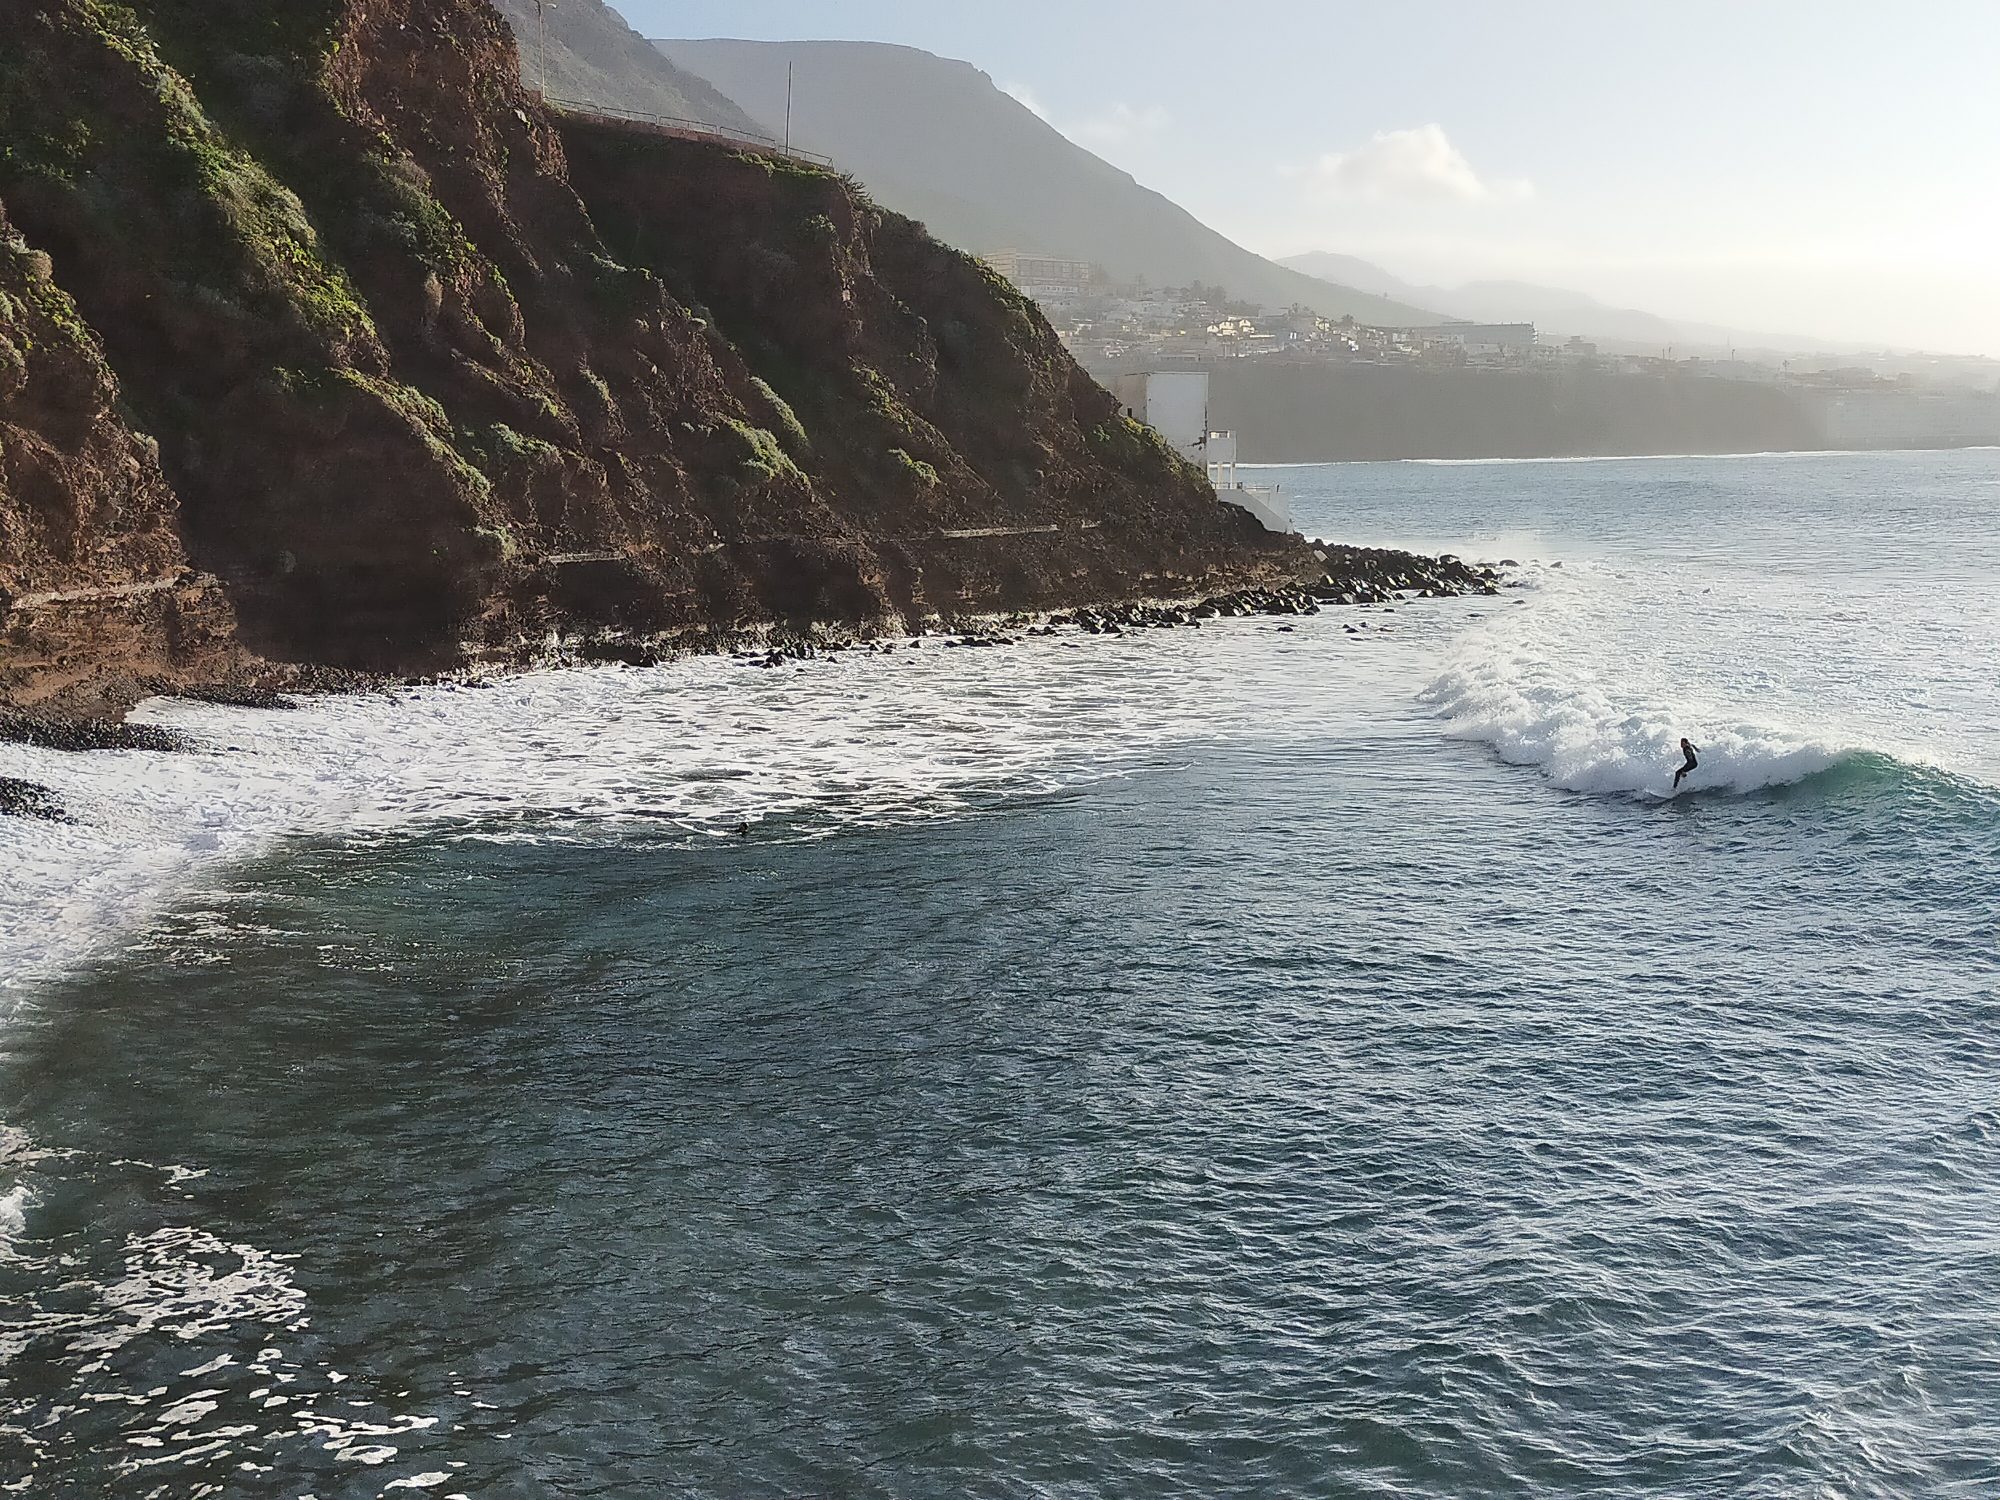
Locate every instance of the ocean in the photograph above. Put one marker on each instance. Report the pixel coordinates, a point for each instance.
(1306, 1057)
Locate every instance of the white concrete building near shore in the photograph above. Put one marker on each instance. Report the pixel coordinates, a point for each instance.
(1174, 403)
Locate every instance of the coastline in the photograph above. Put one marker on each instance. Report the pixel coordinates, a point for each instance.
(689, 749)
(1616, 458)
(1032, 963)
(1353, 575)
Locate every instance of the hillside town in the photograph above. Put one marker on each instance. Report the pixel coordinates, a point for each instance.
(1112, 328)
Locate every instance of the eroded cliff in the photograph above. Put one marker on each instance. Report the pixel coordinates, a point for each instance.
(96, 596)
(434, 375)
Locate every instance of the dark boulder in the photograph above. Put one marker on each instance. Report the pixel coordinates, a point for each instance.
(23, 799)
(48, 733)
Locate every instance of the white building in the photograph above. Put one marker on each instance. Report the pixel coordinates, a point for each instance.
(1174, 403)
(1043, 275)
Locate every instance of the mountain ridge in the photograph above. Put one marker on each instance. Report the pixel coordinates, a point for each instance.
(593, 55)
(985, 173)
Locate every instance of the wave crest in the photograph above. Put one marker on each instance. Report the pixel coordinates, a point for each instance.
(1582, 740)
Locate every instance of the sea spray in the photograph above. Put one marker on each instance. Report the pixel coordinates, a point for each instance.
(1601, 672)
(1585, 739)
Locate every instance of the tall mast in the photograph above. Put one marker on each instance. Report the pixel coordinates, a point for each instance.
(542, 66)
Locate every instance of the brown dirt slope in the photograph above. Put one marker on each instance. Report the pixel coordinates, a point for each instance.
(434, 376)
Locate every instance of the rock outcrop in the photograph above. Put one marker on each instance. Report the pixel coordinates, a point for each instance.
(96, 595)
(23, 799)
(436, 376)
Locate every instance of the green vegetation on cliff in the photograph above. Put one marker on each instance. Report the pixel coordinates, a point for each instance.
(410, 346)
(228, 225)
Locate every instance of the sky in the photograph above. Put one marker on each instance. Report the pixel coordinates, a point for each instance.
(1820, 167)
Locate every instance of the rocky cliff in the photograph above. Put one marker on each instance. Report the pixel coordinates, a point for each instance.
(96, 595)
(434, 375)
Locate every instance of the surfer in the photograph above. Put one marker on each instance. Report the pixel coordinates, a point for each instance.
(1687, 749)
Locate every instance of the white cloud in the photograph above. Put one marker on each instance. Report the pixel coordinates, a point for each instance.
(1021, 94)
(1119, 125)
(1420, 163)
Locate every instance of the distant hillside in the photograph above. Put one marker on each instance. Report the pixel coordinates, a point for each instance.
(595, 57)
(936, 140)
(1551, 309)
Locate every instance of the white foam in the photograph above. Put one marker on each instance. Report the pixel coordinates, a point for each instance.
(1584, 739)
(687, 750)
(1596, 680)
(182, 1285)
(13, 1217)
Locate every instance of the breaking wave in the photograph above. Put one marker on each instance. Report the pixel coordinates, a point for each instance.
(1584, 740)
(1594, 689)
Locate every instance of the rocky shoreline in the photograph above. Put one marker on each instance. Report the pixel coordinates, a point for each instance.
(24, 799)
(1353, 576)
(61, 732)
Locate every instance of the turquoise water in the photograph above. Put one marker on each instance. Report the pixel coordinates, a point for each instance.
(1244, 1062)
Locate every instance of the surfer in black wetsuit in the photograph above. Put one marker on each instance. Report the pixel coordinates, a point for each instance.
(1687, 749)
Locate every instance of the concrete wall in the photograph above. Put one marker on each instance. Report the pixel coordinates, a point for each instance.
(1172, 402)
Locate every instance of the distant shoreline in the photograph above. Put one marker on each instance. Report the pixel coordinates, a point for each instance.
(1617, 458)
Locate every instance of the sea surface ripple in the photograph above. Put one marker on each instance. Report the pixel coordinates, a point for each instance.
(1285, 1070)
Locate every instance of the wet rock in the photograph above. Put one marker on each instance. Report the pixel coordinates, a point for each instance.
(313, 679)
(50, 733)
(237, 697)
(24, 799)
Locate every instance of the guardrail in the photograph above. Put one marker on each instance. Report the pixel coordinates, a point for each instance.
(676, 125)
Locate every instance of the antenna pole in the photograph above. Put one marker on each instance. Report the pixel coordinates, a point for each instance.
(789, 69)
(542, 68)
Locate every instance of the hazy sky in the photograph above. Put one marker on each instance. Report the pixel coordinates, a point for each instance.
(1826, 167)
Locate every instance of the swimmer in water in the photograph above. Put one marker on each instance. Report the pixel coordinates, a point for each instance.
(1687, 749)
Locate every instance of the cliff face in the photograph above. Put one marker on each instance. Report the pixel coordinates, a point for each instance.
(96, 598)
(1320, 413)
(432, 374)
